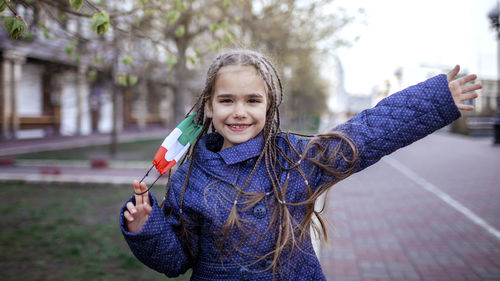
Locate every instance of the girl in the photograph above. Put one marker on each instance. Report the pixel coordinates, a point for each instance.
(241, 206)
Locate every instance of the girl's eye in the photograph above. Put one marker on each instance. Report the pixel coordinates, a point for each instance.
(253, 101)
(225, 101)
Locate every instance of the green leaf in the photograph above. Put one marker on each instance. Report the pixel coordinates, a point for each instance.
(224, 25)
(132, 80)
(173, 16)
(76, 4)
(227, 38)
(28, 36)
(191, 60)
(69, 50)
(171, 61)
(122, 80)
(14, 26)
(149, 13)
(227, 3)
(46, 34)
(100, 22)
(3, 5)
(216, 46)
(126, 60)
(180, 31)
(92, 75)
(179, 4)
(137, 22)
(45, 31)
(78, 58)
(213, 27)
(144, 2)
(96, 59)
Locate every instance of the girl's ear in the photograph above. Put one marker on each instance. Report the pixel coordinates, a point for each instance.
(208, 109)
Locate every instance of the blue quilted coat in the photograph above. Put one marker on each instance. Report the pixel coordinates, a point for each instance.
(396, 121)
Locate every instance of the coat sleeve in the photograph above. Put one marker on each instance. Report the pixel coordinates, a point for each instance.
(159, 245)
(395, 122)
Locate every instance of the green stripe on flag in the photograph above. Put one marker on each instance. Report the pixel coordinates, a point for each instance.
(190, 130)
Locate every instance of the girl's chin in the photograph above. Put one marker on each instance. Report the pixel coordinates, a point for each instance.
(232, 140)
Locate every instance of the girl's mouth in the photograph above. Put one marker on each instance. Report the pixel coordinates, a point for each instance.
(238, 127)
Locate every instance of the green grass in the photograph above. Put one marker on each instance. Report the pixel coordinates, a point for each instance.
(142, 150)
(66, 232)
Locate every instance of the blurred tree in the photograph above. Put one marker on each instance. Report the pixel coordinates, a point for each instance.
(166, 40)
(148, 39)
(187, 31)
(293, 32)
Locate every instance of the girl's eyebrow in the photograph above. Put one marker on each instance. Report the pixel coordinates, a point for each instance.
(251, 95)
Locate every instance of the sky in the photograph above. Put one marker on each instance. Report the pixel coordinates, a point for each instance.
(411, 33)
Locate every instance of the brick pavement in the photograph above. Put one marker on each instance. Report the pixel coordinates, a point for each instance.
(384, 226)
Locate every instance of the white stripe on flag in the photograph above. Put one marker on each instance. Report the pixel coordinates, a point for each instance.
(173, 150)
(171, 138)
(179, 155)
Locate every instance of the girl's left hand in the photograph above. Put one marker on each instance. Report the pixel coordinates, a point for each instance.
(460, 90)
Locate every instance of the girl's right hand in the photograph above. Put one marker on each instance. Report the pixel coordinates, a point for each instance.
(137, 215)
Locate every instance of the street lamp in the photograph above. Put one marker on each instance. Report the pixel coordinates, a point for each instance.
(494, 16)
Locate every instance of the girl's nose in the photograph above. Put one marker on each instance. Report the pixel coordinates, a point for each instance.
(239, 111)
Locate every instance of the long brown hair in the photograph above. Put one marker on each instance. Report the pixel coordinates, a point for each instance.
(287, 232)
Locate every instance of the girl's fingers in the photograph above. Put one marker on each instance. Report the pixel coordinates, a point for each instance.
(128, 216)
(465, 79)
(131, 208)
(471, 87)
(148, 208)
(453, 73)
(465, 107)
(468, 96)
(145, 196)
(137, 190)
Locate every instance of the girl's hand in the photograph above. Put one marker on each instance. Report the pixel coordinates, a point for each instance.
(461, 91)
(137, 215)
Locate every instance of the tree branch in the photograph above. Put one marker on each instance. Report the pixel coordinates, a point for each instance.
(10, 8)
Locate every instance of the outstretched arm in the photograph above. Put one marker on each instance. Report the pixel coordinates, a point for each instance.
(403, 118)
(461, 90)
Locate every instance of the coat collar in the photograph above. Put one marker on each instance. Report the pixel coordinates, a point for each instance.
(222, 164)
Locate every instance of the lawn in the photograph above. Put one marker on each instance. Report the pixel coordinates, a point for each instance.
(66, 232)
(141, 150)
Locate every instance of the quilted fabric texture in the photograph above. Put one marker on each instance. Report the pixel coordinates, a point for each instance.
(396, 121)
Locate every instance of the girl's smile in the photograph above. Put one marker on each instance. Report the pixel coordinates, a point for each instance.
(238, 105)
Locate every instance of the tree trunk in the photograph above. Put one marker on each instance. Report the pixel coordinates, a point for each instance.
(182, 95)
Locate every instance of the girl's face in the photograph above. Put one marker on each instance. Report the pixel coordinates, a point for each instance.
(238, 104)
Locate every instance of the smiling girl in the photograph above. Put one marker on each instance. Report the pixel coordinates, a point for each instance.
(241, 205)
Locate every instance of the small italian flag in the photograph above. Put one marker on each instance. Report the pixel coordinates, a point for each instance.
(176, 144)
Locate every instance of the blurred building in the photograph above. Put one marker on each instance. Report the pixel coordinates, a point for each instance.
(477, 122)
(341, 104)
(44, 91)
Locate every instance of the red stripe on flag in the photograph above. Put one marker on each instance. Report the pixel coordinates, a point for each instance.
(160, 163)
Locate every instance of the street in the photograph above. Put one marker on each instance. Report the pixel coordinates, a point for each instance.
(430, 211)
